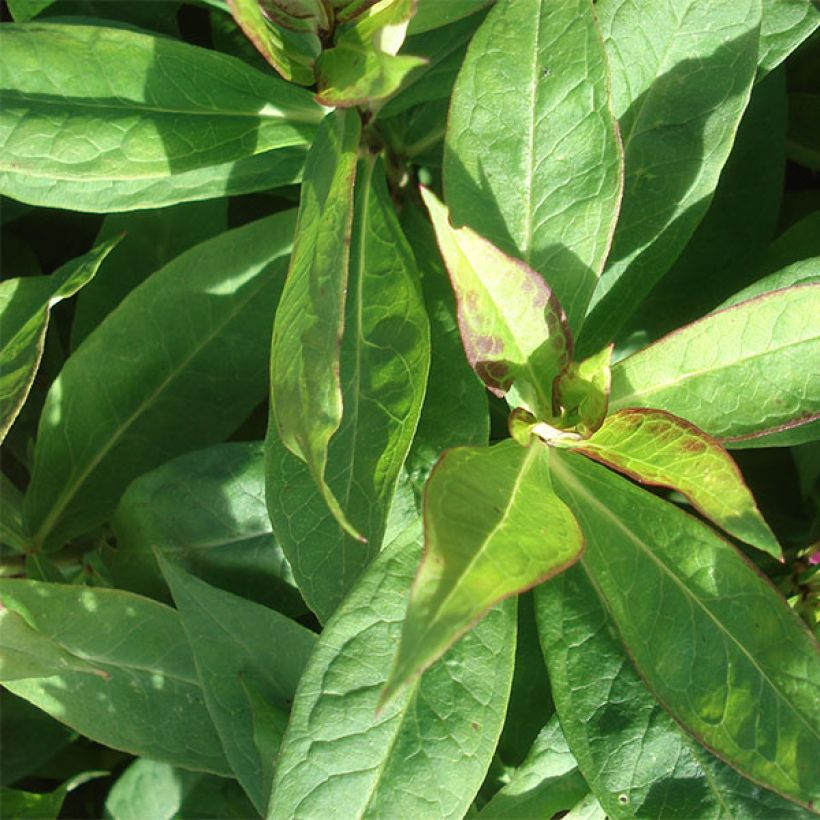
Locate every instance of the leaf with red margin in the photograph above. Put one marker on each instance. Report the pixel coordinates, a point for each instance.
(513, 328)
(493, 527)
(655, 447)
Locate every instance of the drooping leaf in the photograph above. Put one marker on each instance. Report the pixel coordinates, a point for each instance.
(306, 391)
(292, 53)
(118, 111)
(151, 789)
(738, 373)
(533, 159)
(637, 760)
(513, 328)
(655, 447)
(363, 66)
(786, 24)
(724, 251)
(718, 646)
(147, 699)
(426, 754)
(682, 72)
(384, 360)
(546, 783)
(25, 306)
(493, 527)
(455, 404)
(119, 409)
(206, 512)
(152, 238)
(583, 391)
(232, 640)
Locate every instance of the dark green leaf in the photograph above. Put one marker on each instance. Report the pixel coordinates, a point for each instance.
(234, 640)
(427, 753)
(144, 695)
(679, 102)
(117, 410)
(802, 142)
(532, 159)
(385, 357)
(432, 14)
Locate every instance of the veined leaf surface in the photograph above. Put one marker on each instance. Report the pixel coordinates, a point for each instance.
(88, 104)
(718, 646)
(25, 305)
(119, 409)
(738, 373)
(236, 644)
(384, 360)
(513, 328)
(306, 391)
(492, 527)
(682, 72)
(637, 759)
(428, 752)
(532, 158)
(655, 447)
(786, 24)
(147, 699)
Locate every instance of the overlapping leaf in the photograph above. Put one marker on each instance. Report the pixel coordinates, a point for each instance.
(119, 409)
(25, 306)
(142, 695)
(532, 159)
(682, 72)
(117, 111)
(428, 752)
(736, 374)
(493, 527)
(384, 360)
(716, 644)
(785, 26)
(658, 448)
(513, 328)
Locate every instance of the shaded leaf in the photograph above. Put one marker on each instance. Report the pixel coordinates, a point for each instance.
(114, 411)
(655, 447)
(234, 640)
(738, 373)
(532, 159)
(427, 753)
(806, 272)
(25, 306)
(306, 392)
(682, 72)
(802, 143)
(385, 358)
(785, 26)
(718, 646)
(513, 328)
(101, 107)
(493, 527)
(147, 701)
(432, 14)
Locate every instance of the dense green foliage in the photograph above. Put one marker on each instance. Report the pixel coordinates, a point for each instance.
(410, 409)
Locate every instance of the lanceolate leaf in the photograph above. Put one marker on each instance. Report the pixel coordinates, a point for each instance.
(25, 305)
(306, 392)
(205, 511)
(92, 105)
(682, 71)
(291, 53)
(147, 699)
(427, 753)
(785, 26)
(234, 639)
(721, 650)
(532, 159)
(119, 409)
(658, 448)
(513, 328)
(637, 760)
(738, 373)
(385, 357)
(493, 527)
(363, 66)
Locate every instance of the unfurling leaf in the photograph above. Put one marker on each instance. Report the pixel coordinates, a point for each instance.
(583, 392)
